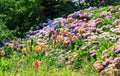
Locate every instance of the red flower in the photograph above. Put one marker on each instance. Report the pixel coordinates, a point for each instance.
(36, 63)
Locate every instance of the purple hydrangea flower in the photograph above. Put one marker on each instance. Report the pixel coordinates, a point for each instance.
(37, 27)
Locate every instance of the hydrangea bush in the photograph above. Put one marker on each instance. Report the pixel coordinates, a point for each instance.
(85, 42)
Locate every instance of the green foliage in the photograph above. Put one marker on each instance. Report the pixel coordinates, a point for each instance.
(59, 25)
(5, 33)
(78, 42)
(3, 64)
(88, 3)
(58, 8)
(20, 15)
(110, 53)
(104, 44)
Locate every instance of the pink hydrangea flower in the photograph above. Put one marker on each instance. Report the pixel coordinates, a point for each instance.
(103, 14)
(83, 16)
(106, 61)
(98, 66)
(111, 9)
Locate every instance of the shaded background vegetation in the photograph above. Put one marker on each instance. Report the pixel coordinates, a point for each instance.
(19, 16)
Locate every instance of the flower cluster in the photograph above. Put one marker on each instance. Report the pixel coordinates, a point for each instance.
(113, 67)
(109, 66)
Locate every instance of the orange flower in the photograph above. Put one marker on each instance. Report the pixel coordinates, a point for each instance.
(36, 63)
(38, 48)
(12, 45)
(59, 37)
(61, 30)
(80, 30)
(2, 53)
(24, 51)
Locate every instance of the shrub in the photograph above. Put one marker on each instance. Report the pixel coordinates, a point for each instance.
(5, 33)
(91, 3)
(20, 15)
(58, 8)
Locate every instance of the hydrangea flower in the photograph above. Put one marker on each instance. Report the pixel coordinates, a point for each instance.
(111, 9)
(117, 49)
